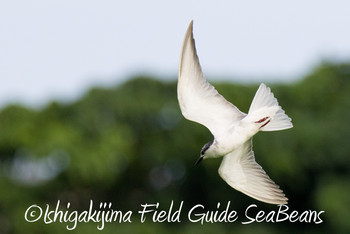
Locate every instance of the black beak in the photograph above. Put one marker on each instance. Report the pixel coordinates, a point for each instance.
(199, 160)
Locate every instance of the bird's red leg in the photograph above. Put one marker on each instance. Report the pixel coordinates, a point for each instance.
(262, 120)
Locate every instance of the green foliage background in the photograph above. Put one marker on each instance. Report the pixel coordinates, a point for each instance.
(130, 145)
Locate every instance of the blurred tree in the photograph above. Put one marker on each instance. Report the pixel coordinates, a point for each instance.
(130, 145)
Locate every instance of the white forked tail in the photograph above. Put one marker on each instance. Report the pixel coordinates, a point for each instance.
(263, 102)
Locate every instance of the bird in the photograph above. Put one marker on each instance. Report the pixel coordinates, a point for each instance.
(232, 129)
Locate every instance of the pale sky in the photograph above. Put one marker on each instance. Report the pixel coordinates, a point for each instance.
(58, 49)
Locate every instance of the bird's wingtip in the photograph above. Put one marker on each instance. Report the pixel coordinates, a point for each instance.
(188, 42)
(189, 29)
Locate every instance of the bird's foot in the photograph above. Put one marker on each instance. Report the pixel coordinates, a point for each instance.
(264, 120)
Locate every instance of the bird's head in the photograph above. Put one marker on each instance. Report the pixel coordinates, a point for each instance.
(204, 151)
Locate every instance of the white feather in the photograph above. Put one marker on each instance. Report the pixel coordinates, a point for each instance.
(264, 98)
(240, 170)
(199, 101)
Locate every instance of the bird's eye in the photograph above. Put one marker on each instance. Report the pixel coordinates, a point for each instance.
(203, 150)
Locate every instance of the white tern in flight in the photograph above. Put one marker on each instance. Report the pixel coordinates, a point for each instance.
(232, 129)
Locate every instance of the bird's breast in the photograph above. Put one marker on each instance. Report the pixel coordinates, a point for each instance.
(232, 140)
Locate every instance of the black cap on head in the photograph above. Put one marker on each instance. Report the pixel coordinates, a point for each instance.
(206, 147)
(203, 150)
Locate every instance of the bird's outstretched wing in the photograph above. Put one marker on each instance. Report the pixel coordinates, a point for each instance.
(199, 101)
(240, 170)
